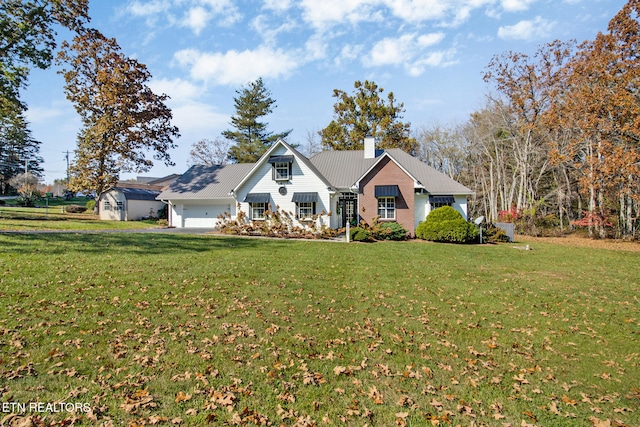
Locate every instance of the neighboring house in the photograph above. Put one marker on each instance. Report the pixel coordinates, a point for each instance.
(133, 200)
(331, 188)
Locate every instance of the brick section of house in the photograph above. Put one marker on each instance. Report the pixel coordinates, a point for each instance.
(388, 172)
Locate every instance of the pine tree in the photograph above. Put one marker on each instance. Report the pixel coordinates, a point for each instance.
(366, 113)
(251, 136)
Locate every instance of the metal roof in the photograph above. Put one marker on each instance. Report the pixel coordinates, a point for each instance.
(344, 168)
(206, 182)
(337, 169)
(137, 193)
(433, 181)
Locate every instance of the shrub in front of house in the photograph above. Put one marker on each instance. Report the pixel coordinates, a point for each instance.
(91, 205)
(75, 209)
(446, 224)
(388, 231)
(360, 234)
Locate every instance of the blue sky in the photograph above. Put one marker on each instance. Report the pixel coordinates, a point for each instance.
(430, 53)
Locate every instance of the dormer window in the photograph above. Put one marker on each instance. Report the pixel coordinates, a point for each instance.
(281, 171)
(281, 167)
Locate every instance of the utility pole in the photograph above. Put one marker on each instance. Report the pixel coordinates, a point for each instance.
(66, 153)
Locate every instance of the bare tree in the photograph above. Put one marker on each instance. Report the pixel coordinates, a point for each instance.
(209, 152)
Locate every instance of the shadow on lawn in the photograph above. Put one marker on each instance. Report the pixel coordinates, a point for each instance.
(131, 243)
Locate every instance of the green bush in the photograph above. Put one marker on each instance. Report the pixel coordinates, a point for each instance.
(75, 209)
(446, 224)
(91, 205)
(360, 234)
(389, 231)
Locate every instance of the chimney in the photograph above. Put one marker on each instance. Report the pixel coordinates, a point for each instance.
(369, 147)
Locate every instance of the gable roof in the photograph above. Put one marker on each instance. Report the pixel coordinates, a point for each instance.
(433, 181)
(207, 182)
(345, 168)
(265, 158)
(336, 169)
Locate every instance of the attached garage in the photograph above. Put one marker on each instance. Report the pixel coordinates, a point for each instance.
(203, 216)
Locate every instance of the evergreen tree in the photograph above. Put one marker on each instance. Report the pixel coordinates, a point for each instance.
(17, 149)
(251, 136)
(366, 113)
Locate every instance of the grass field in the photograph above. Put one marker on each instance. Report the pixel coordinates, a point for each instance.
(153, 329)
(51, 216)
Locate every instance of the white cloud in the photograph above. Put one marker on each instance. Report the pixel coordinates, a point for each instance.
(198, 118)
(196, 19)
(325, 13)
(235, 67)
(408, 50)
(178, 89)
(226, 10)
(277, 5)
(154, 7)
(516, 5)
(419, 10)
(43, 114)
(348, 53)
(537, 28)
(269, 32)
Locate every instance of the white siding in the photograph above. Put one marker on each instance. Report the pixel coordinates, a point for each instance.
(421, 209)
(112, 197)
(132, 210)
(302, 180)
(138, 209)
(460, 205)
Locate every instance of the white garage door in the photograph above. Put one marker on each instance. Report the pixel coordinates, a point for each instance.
(203, 216)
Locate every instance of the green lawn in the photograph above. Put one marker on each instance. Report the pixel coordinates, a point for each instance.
(204, 330)
(52, 216)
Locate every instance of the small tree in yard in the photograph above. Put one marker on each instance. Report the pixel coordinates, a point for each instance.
(26, 185)
(446, 224)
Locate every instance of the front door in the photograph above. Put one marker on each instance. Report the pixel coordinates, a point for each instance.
(348, 203)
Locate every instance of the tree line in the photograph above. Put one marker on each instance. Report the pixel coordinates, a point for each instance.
(558, 145)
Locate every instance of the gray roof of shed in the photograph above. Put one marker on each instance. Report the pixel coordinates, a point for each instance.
(138, 193)
(207, 182)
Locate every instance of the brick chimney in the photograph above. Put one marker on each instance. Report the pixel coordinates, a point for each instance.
(369, 147)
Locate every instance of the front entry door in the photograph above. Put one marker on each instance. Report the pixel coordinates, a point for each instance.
(349, 206)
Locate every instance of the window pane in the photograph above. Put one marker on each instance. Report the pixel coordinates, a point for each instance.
(257, 210)
(305, 209)
(387, 207)
(281, 171)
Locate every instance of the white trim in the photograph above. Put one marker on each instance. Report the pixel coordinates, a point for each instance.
(416, 183)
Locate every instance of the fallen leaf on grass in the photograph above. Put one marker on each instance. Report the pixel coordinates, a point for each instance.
(376, 396)
(597, 422)
(182, 397)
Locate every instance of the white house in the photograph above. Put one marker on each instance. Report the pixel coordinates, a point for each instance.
(330, 188)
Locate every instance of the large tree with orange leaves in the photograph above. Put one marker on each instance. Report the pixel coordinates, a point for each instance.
(600, 112)
(122, 119)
